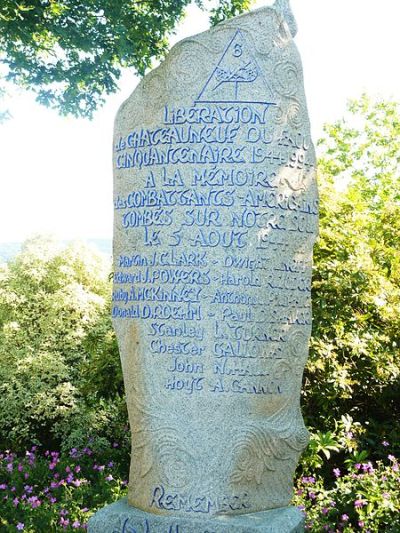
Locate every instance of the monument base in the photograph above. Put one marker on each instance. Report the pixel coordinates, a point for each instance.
(119, 517)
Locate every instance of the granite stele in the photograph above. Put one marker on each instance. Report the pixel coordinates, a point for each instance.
(216, 213)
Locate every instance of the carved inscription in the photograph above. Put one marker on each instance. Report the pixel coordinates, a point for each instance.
(216, 212)
(217, 176)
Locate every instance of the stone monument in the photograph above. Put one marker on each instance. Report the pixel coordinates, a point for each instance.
(216, 213)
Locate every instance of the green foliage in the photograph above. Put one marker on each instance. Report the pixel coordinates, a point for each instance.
(49, 491)
(56, 340)
(354, 364)
(328, 446)
(228, 8)
(71, 53)
(363, 496)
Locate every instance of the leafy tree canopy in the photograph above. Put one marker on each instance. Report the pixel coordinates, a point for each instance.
(70, 53)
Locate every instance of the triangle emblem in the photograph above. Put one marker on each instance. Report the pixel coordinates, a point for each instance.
(237, 78)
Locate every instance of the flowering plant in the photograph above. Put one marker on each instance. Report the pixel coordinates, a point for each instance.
(49, 491)
(364, 496)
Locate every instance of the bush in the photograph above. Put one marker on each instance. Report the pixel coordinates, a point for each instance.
(354, 363)
(50, 491)
(360, 495)
(59, 362)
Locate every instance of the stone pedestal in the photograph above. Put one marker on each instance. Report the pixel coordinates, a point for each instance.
(120, 517)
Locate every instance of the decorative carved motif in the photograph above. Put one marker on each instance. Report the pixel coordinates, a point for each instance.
(285, 78)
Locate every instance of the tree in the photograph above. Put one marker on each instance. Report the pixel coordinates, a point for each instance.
(71, 53)
(354, 365)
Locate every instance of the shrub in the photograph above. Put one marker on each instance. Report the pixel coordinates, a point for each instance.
(354, 363)
(59, 362)
(51, 491)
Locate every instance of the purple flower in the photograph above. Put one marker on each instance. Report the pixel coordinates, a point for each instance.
(77, 469)
(336, 471)
(31, 457)
(311, 495)
(64, 522)
(20, 526)
(34, 501)
(385, 443)
(357, 466)
(110, 464)
(359, 503)
(361, 523)
(367, 467)
(332, 504)
(299, 492)
(85, 510)
(15, 502)
(10, 467)
(77, 482)
(76, 524)
(110, 478)
(63, 512)
(325, 510)
(20, 467)
(115, 444)
(3, 486)
(28, 489)
(391, 457)
(395, 467)
(73, 452)
(53, 500)
(87, 451)
(26, 475)
(344, 517)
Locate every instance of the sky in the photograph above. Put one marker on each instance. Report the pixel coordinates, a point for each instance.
(56, 172)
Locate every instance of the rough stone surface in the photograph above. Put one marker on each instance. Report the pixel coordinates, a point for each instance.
(216, 213)
(120, 517)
